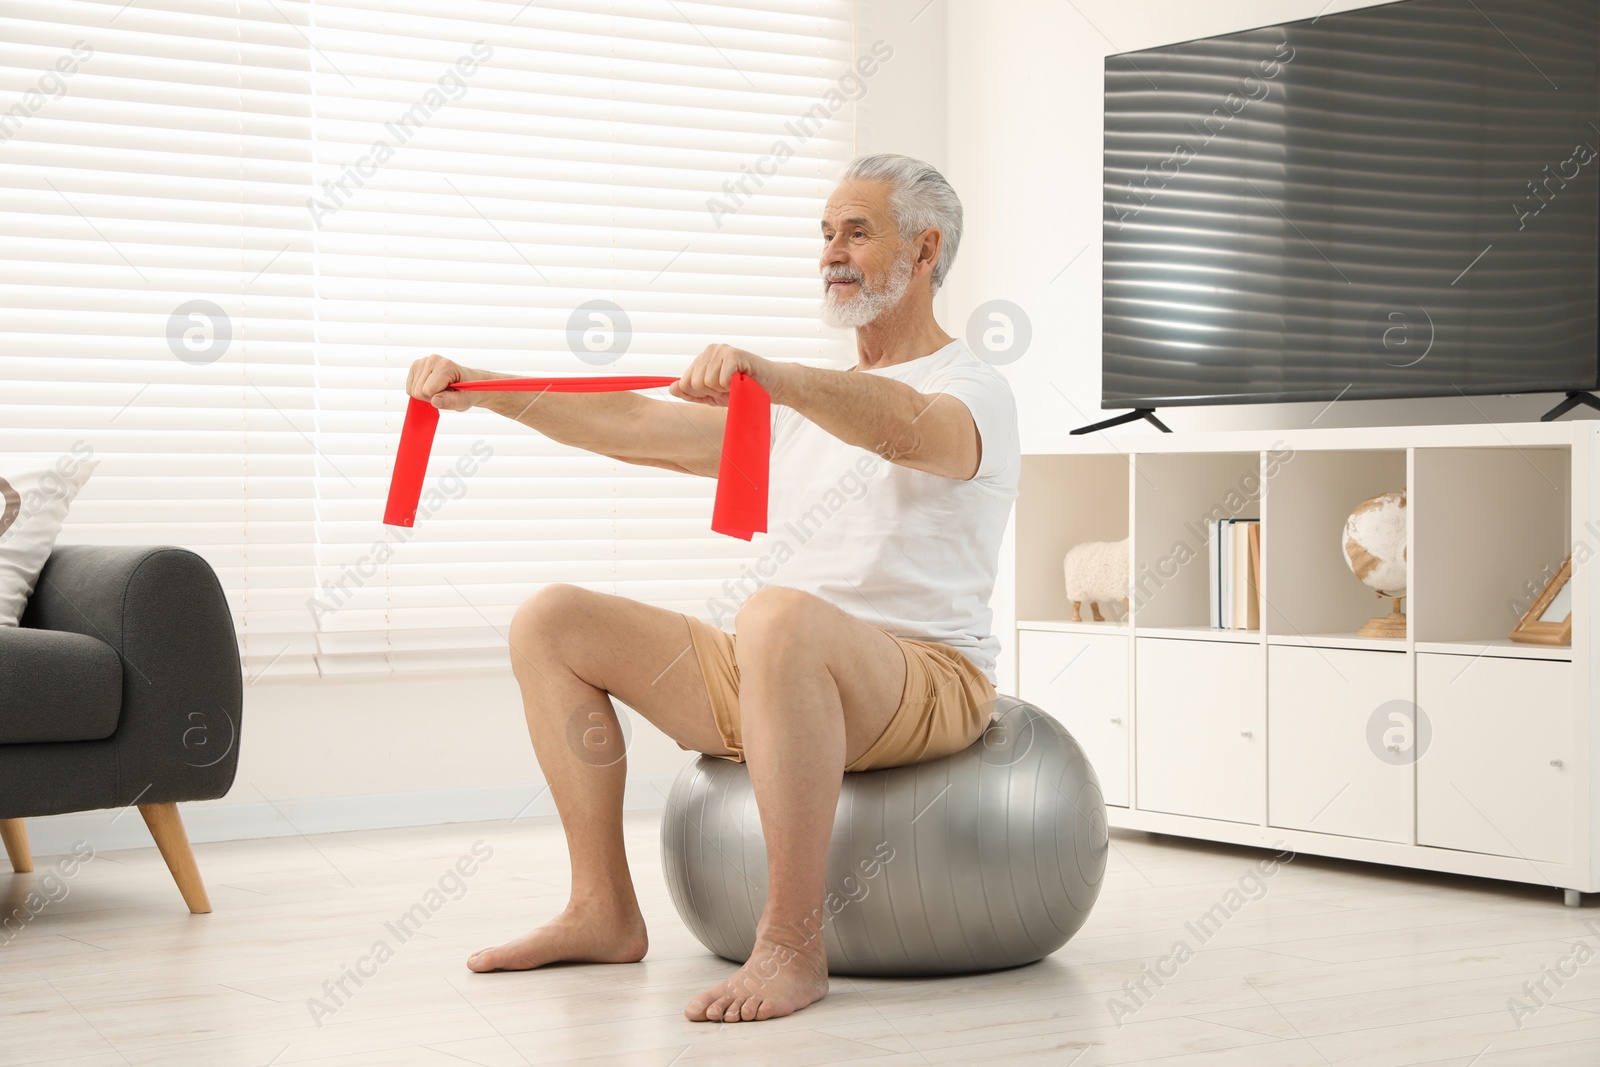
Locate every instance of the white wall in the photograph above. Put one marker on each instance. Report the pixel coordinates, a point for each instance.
(340, 754)
(903, 109)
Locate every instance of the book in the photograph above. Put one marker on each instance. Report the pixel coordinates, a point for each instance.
(1214, 555)
(1243, 590)
(1235, 586)
(1225, 551)
(1254, 571)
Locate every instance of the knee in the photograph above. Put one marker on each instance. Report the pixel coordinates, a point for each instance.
(542, 618)
(776, 616)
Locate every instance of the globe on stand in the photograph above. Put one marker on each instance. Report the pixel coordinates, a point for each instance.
(1375, 549)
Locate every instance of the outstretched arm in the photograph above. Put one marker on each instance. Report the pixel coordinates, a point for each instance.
(926, 432)
(622, 425)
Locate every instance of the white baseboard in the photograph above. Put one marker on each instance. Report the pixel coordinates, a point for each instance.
(53, 835)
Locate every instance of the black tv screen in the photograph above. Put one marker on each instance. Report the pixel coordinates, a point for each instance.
(1399, 201)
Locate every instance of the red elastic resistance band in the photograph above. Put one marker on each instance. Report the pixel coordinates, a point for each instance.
(740, 509)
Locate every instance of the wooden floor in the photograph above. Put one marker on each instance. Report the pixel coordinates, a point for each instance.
(1335, 963)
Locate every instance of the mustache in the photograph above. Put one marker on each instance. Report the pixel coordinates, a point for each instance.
(843, 274)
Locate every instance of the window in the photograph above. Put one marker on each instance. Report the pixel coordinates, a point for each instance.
(232, 228)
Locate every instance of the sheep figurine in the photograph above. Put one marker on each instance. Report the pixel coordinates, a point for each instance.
(1096, 571)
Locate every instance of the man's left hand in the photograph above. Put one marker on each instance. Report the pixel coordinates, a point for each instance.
(710, 376)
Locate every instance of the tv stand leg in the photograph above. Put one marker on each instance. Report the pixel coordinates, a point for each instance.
(1573, 399)
(1572, 898)
(1148, 414)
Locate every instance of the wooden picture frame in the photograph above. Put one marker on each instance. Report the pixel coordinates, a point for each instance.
(1539, 625)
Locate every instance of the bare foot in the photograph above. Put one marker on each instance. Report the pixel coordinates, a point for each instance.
(777, 980)
(577, 935)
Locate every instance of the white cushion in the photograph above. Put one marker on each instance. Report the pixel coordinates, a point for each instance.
(33, 505)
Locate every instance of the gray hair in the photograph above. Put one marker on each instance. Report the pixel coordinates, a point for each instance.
(919, 198)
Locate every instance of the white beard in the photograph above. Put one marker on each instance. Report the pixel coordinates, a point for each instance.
(867, 304)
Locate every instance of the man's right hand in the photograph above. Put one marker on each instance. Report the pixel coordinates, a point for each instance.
(430, 379)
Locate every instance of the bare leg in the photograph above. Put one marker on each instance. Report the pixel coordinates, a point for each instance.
(570, 648)
(816, 689)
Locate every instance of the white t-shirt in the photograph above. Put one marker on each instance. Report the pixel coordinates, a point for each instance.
(912, 552)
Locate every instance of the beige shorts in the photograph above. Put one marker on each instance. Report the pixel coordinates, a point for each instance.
(945, 707)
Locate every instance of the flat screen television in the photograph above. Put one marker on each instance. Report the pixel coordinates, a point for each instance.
(1398, 201)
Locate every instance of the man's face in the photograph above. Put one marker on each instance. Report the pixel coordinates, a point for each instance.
(865, 269)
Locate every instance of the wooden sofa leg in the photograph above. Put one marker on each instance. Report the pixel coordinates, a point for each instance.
(15, 834)
(166, 826)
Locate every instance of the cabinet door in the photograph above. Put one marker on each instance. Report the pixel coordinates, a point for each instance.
(1082, 681)
(1199, 745)
(1495, 778)
(1323, 773)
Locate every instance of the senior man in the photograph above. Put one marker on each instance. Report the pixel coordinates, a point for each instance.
(869, 646)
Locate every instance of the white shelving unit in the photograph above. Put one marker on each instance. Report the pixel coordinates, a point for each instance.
(1453, 749)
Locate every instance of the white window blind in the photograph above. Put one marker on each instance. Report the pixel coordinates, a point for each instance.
(155, 156)
(356, 185)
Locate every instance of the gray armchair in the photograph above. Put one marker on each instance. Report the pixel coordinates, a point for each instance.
(122, 686)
